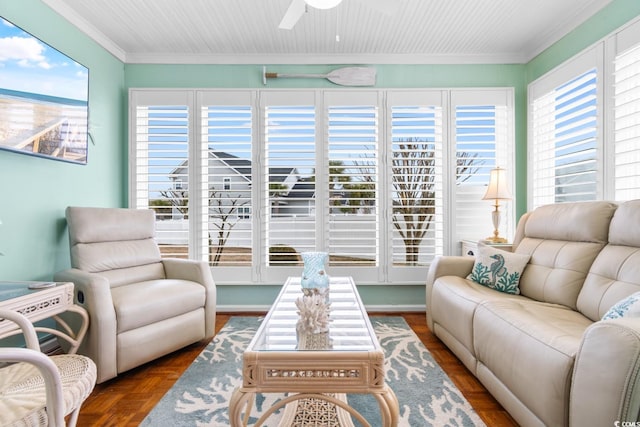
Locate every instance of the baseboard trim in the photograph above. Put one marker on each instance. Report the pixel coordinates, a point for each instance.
(233, 308)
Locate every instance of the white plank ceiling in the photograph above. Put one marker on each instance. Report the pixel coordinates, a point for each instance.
(246, 31)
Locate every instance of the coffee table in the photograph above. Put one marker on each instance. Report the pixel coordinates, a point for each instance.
(347, 359)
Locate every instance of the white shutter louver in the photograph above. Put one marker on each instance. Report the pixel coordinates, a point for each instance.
(476, 155)
(565, 163)
(162, 173)
(290, 182)
(484, 135)
(227, 150)
(353, 185)
(627, 125)
(416, 184)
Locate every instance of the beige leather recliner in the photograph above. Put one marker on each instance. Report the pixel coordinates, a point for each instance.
(140, 305)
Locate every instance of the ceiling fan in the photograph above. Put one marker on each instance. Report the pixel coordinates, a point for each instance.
(297, 8)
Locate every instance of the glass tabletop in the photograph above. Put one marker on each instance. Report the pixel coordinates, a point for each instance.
(11, 290)
(349, 328)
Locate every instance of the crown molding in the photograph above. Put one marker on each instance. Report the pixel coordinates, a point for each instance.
(300, 59)
(78, 21)
(555, 34)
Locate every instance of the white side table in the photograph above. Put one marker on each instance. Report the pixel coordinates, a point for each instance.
(470, 247)
(39, 304)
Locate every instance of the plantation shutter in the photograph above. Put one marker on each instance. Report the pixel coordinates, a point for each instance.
(627, 115)
(416, 171)
(352, 121)
(227, 181)
(161, 169)
(564, 112)
(289, 175)
(249, 179)
(484, 134)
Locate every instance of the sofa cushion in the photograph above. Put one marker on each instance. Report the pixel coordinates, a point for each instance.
(562, 240)
(628, 307)
(530, 347)
(615, 273)
(625, 225)
(137, 274)
(452, 294)
(89, 224)
(577, 222)
(104, 256)
(104, 239)
(148, 302)
(498, 269)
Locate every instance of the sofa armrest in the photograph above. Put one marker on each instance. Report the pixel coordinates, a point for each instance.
(445, 266)
(199, 272)
(93, 292)
(605, 387)
(187, 269)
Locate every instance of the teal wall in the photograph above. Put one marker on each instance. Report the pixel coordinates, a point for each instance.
(616, 14)
(35, 190)
(33, 235)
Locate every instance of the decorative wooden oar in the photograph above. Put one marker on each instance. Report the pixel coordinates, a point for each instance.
(348, 76)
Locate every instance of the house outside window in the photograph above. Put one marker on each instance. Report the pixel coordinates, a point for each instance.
(244, 212)
(383, 180)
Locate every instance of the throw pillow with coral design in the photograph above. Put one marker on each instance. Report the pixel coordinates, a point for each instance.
(627, 307)
(498, 269)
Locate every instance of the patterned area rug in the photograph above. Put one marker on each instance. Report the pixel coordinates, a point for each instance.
(427, 396)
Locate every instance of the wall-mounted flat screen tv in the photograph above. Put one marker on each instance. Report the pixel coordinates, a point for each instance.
(44, 98)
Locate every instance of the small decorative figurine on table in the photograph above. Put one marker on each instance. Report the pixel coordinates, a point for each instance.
(315, 279)
(312, 328)
(314, 314)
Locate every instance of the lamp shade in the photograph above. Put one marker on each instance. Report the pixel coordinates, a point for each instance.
(497, 189)
(323, 4)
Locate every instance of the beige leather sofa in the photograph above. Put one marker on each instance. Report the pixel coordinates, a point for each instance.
(545, 354)
(141, 306)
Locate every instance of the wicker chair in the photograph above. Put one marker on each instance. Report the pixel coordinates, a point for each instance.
(41, 390)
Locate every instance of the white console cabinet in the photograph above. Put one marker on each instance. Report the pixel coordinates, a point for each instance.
(470, 247)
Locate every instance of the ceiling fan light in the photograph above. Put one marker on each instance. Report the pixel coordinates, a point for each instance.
(323, 4)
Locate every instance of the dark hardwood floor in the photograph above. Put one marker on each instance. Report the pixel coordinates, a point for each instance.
(127, 399)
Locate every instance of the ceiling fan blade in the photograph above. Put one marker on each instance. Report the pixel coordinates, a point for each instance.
(295, 11)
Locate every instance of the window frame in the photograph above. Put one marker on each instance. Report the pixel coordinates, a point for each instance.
(386, 272)
(601, 56)
(589, 59)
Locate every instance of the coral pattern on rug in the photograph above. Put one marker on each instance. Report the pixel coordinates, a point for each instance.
(427, 396)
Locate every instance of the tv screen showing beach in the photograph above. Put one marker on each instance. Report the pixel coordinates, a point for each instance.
(43, 98)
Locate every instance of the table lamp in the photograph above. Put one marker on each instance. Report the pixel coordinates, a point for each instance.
(497, 191)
